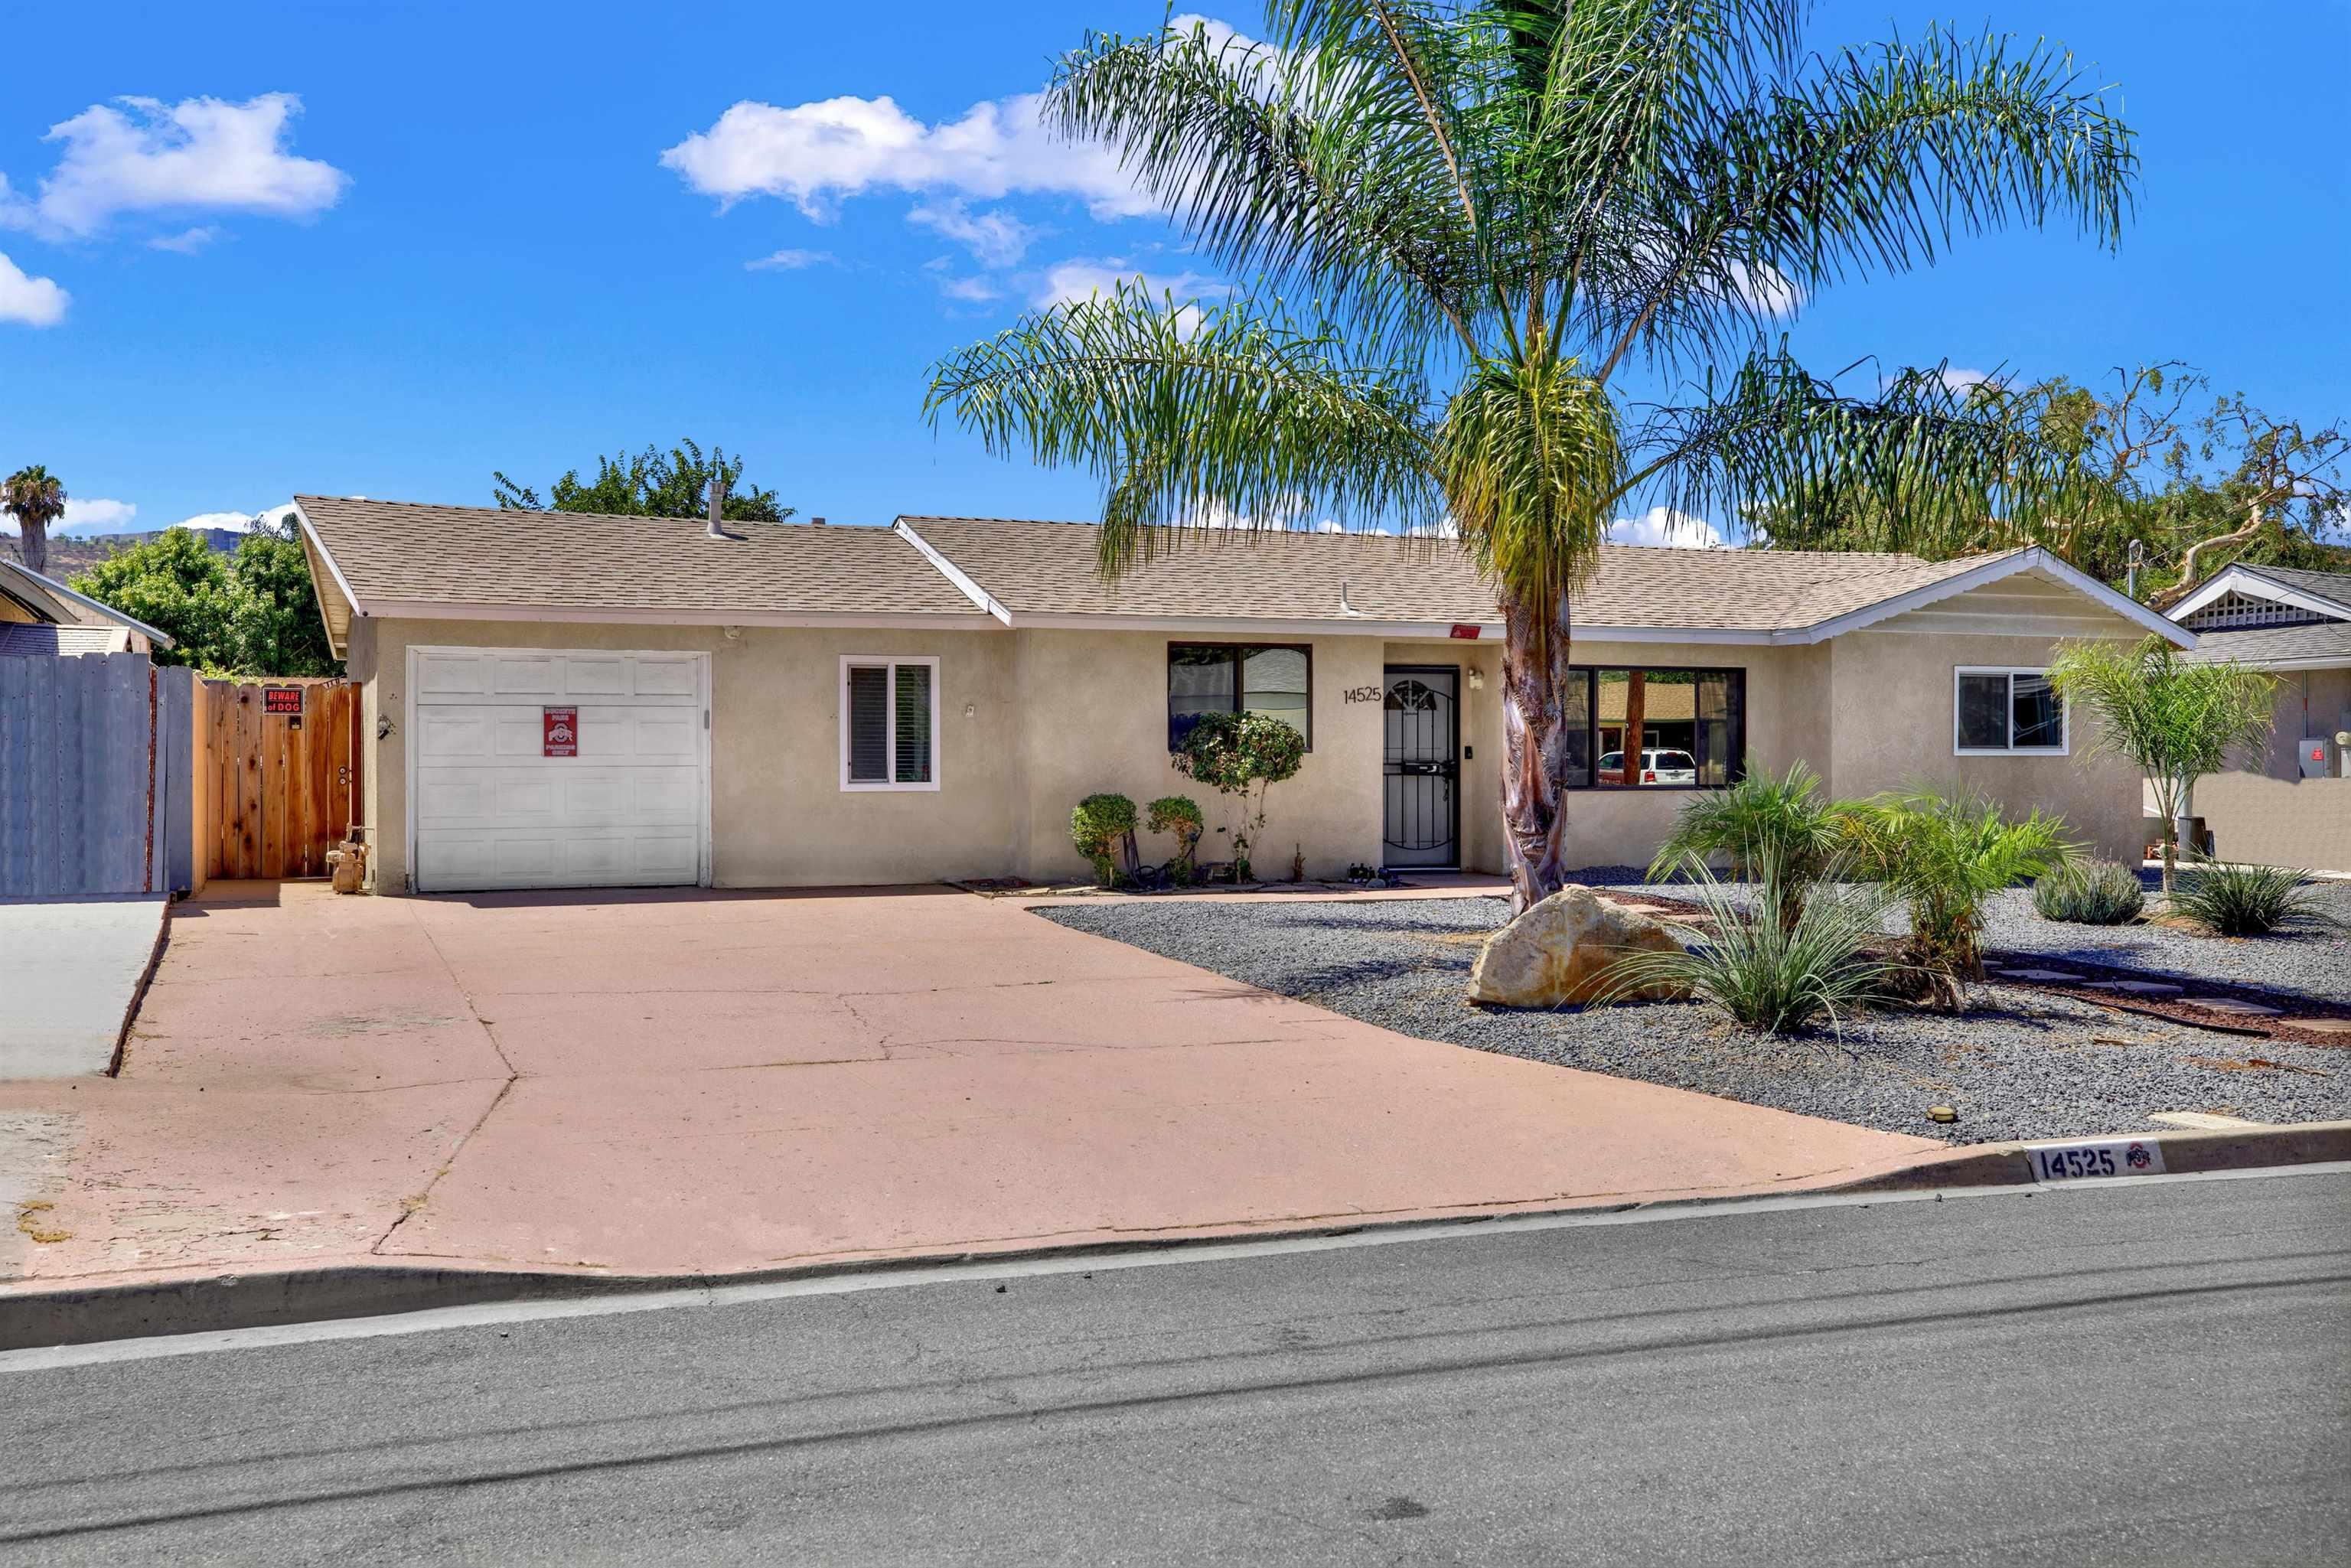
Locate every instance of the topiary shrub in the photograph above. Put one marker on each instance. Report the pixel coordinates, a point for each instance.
(1100, 824)
(2090, 893)
(1179, 815)
(1234, 753)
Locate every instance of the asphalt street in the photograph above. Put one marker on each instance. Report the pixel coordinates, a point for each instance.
(2151, 1372)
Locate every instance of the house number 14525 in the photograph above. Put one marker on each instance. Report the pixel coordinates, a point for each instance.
(1363, 693)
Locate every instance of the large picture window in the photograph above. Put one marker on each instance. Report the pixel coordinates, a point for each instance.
(2004, 712)
(1273, 679)
(889, 724)
(1655, 729)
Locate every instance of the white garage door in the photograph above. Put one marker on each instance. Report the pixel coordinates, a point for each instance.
(493, 808)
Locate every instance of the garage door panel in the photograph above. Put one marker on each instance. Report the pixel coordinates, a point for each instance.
(492, 810)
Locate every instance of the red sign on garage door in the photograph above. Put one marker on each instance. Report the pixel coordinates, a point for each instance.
(560, 734)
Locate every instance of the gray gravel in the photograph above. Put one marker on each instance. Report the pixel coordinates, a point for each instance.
(2306, 962)
(2020, 1064)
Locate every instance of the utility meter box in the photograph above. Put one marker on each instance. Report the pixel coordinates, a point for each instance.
(2312, 753)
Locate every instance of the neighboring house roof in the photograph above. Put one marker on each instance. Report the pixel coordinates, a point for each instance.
(2321, 645)
(2324, 594)
(396, 558)
(42, 640)
(53, 604)
(1044, 573)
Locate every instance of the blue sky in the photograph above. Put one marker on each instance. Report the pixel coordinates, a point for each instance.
(384, 250)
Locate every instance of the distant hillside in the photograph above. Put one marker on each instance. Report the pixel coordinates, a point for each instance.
(68, 556)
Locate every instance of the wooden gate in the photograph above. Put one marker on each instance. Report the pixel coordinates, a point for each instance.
(284, 764)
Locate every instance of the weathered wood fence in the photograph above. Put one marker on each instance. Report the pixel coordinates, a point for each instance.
(284, 785)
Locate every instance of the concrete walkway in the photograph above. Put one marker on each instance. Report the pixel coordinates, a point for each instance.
(712, 1083)
(69, 971)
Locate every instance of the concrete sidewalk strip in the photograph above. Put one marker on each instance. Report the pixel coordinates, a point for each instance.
(71, 971)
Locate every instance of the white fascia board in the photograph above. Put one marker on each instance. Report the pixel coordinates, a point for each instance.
(952, 572)
(51, 585)
(315, 549)
(590, 614)
(2248, 581)
(2034, 559)
(2313, 661)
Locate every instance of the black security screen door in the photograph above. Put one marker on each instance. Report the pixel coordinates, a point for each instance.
(1422, 762)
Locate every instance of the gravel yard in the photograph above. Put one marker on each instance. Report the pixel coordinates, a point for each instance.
(2020, 1065)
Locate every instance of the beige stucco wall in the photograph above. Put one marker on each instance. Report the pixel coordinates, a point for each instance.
(778, 815)
(1033, 720)
(2268, 811)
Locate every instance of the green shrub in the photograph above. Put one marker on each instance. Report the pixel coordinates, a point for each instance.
(2248, 900)
(1760, 818)
(1944, 855)
(1234, 753)
(1179, 815)
(2090, 893)
(1100, 824)
(1772, 969)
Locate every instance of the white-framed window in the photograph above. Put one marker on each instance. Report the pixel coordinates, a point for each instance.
(889, 722)
(2003, 711)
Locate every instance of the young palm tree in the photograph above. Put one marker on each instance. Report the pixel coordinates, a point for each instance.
(1498, 207)
(35, 499)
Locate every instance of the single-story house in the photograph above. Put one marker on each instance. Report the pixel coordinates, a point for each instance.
(41, 617)
(555, 699)
(2291, 805)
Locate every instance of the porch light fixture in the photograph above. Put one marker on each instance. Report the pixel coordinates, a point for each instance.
(1476, 679)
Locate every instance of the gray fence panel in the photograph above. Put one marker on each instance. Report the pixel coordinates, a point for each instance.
(79, 811)
(175, 762)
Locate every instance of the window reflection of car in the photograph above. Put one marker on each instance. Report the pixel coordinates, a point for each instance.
(1656, 768)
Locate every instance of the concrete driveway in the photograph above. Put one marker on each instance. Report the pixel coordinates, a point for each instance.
(70, 969)
(709, 1082)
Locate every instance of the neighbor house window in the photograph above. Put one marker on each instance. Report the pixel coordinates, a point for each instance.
(889, 724)
(1273, 679)
(2000, 712)
(1691, 728)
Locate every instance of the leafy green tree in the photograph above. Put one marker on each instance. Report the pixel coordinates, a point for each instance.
(651, 483)
(1496, 207)
(252, 612)
(36, 498)
(2176, 721)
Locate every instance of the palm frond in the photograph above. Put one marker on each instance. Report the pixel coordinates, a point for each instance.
(1191, 414)
(1529, 454)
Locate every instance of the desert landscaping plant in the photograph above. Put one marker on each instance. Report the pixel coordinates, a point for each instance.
(1758, 820)
(2177, 720)
(1778, 967)
(1460, 220)
(1179, 815)
(2090, 893)
(1242, 755)
(1104, 826)
(1943, 855)
(2249, 900)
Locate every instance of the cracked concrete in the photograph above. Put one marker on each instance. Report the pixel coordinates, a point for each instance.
(706, 1083)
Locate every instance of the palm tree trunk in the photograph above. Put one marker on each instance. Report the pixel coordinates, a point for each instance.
(1536, 734)
(33, 543)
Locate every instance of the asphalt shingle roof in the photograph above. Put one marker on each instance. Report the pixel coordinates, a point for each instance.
(401, 551)
(1044, 568)
(2264, 644)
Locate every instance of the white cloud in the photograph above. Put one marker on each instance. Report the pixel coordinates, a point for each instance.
(995, 239)
(1083, 277)
(34, 301)
(240, 522)
(1663, 526)
(789, 261)
(187, 242)
(98, 515)
(141, 154)
(1767, 291)
(814, 154)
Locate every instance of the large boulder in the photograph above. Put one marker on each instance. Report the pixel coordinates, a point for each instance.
(1559, 952)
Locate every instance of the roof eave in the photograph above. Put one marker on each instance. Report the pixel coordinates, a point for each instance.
(52, 586)
(2239, 575)
(2032, 559)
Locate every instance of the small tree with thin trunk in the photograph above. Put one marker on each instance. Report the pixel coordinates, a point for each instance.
(2176, 720)
(36, 498)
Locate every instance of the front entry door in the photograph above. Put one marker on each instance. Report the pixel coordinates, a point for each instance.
(1421, 760)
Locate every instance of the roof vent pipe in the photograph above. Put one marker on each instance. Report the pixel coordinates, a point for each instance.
(816, 522)
(717, 500)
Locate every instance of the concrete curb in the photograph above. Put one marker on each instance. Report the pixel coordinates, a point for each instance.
(138, 991)
(39, 1319)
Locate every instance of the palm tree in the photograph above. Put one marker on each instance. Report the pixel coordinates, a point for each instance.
(36, 498)
(1497, 207)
